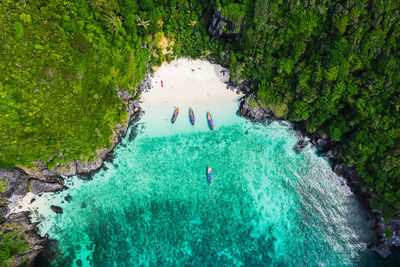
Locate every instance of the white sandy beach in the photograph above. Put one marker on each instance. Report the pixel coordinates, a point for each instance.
(188, 83)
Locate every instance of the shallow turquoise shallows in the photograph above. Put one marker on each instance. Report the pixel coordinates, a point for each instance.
(152, 204)
(267, 206)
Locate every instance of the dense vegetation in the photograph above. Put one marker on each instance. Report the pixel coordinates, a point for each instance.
(336, 66)
(60, 62)
(12, 244)
(333, 64)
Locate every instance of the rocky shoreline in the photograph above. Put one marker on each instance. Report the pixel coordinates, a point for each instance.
(20, 182)
(18, 185)
(329, 149)
(221, 27)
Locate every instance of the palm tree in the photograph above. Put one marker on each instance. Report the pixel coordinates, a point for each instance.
(115, 23)
(144, 23)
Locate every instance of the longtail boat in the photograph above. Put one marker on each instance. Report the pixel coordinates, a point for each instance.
(191, 116)
(176, 112)
(210, 121)
(209, 174)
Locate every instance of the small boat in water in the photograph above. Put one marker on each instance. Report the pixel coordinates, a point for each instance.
(176, 112)
(191, 116)
(209, 174)
(210, 121)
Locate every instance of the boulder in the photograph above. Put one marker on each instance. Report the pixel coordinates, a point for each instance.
(16, 182)
(245, 88)
(338, 169)
(256, 114)
(22, 218)
(123, 94)
(300, 145)
(56, 209)
(132, 106)
(331, 154)
(39, 186)
(322, 143)
(383, 249)
(145, 85)
(35, 239)
(87, 167)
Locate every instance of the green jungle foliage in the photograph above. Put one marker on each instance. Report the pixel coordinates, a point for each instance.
(336, 65)
(59, 64)
(3, 186)
(12, 243)
(333, 64)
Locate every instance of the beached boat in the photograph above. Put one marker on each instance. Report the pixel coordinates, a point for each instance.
(210, 121)
(209, 174)
(176, 112)
(191, 116)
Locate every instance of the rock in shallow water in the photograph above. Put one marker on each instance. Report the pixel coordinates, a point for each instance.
(300, 145)
(56, 209)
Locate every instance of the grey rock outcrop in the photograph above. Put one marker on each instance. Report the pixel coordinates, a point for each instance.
(87, 167)
(38, 186)
(18, 184)
(384, 243)
(16, 181)
(256, 113)
(224, 27)
(123, 94)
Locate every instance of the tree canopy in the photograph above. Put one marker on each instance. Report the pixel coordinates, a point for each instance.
(333, 64)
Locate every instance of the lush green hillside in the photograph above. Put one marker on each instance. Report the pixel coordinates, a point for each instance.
(337, 66)
(332, 64)
(61, 62)
(59, 67)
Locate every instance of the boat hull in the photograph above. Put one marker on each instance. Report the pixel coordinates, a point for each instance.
(175, 115)
(191, 116)
(210, 121)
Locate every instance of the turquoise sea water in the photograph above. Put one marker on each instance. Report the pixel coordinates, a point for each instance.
(267, 206)
(153, 206)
